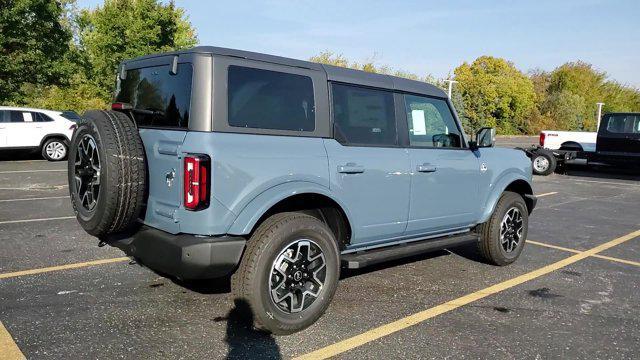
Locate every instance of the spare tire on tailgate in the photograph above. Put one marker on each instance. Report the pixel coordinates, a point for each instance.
(107, 173)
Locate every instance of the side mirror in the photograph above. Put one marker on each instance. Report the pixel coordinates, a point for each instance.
(485, 137)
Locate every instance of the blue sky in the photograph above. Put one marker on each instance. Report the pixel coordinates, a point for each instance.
(429, 37)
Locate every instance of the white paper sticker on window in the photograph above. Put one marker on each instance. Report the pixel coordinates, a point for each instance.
(419, 128)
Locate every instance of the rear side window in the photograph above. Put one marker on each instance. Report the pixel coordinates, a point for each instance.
(158, 98)
(624, 124)
(264, 99)
(363, 116)
(40, 117)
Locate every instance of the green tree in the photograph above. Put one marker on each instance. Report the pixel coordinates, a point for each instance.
(573, 91)
(581, 79)
(34, 43)
(567, 110)
(496, 94)
(124, 29)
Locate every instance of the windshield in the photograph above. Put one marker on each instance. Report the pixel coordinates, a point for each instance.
(157, 97)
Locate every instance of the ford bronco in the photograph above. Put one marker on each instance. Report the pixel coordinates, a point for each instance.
(279, 172)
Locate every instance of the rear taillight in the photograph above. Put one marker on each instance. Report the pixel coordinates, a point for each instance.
(121, 106)
(197, 171)
(542, 136)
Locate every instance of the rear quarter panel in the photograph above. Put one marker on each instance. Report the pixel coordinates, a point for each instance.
(244, 166)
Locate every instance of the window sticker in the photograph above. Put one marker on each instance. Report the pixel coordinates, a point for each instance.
(419, 127)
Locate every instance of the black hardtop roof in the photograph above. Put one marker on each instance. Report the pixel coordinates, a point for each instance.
(334, 73)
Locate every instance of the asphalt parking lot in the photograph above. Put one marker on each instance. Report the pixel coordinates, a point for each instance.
(573, 293)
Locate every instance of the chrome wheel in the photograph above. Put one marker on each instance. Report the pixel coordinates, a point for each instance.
(297, 276)
(541, 164)
(87, 172)
(56, 150)
(511, 230)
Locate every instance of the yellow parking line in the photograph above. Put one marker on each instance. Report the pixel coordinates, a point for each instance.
(553, 246)
(547, 194)
(388, 329)
(628, 262)
(61, 267)
(8, 348)
(610, 258)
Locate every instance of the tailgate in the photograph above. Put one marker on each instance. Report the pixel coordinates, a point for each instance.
(164, 164)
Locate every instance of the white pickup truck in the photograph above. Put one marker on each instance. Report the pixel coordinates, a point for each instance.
(568, 140)
(557, 147)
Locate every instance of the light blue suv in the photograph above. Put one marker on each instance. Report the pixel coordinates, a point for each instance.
(280, 172)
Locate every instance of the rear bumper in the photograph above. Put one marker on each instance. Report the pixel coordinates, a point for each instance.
(183, 256)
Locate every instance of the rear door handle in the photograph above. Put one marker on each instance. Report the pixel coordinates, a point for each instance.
(350, 168)
(426, 168)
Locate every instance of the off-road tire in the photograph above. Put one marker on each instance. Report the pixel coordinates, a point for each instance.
(548, 155)
(489, 245)
(123, 173)
(250, 283)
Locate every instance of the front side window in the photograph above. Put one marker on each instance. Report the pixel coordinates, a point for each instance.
(363, 116)
(157, 97)
(624, 124)
(431, 123)
(264, 99)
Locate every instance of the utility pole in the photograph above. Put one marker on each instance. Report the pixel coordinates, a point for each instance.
(599, 115)
(451, 82)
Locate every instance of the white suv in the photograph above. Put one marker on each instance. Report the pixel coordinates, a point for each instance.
(47, 130)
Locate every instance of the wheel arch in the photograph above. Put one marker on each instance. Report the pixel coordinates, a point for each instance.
(516, 184)
(55, 136)
(305, 197)
(571, 145)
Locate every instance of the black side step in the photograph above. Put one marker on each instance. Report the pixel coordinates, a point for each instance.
(365, 258)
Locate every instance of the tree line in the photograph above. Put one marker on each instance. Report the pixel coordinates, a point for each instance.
(492, 92)
(55, 56)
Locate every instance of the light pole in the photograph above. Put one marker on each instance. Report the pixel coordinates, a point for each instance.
(451, 82)
(599, 116)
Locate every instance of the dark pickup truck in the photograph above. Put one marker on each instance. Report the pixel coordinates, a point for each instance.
(617, 144)
(618, 141)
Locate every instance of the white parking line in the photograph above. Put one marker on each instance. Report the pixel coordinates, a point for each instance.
(607, 182)
(53, 187)
(40, 198)
(30, 171)
(547, 194)
(34, 220)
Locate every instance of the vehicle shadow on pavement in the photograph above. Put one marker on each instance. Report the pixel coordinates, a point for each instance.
(244, 341)
(205, 287)
(469, 252)
(10, 155)
(601, 172)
